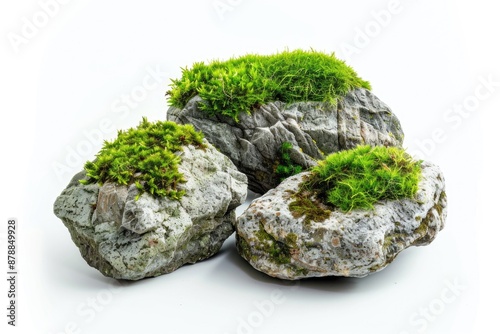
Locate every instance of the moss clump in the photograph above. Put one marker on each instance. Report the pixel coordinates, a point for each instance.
(291, 240)
(145, 156)
(286, 167)
(239, 84)
(360, 177)
(278, 251)
(306, 205)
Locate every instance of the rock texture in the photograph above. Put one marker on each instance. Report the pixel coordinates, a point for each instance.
(131, 239)
(351, 244)
(315, 129)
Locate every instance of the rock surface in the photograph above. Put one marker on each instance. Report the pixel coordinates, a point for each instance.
(131, 239)
(351, 244)
(315, 129)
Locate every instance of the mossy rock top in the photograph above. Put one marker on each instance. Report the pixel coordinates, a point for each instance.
(359, 178)
(240, 84)
(166, 197)
(145, 155)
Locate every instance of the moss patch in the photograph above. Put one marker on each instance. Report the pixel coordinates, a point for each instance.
(439, 207)
(360, 177)
(392, 239)
(307, 205)
(278, 251)
(145, 156)
(240, 84)
(243, 247)
(291, 240)
(286, 167)
(424, 229)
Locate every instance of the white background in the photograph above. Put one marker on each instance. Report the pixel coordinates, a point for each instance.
(68, 79)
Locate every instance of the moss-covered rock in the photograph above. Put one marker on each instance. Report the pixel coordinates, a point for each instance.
(320, 239)
(236, 86)
(130, 233)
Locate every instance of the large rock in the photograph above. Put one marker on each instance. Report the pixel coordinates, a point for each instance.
(315, 129)
(131, 239)
(351, 244)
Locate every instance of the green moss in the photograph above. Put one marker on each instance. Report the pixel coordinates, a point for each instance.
(425, 225)
(243, 247)
(286, 167)
(240, 84)
(300, 271)
(307, 205)
(291, 240)
(145, 156)
(393, 238)
(278, 251)
(439, 207)
(360, 177)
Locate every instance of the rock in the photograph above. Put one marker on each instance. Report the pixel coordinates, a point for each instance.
(353, 244)
(131, 239)
(315, 129)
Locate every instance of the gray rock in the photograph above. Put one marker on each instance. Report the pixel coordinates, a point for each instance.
(351, 244)
(315, 129)
(131, 239)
